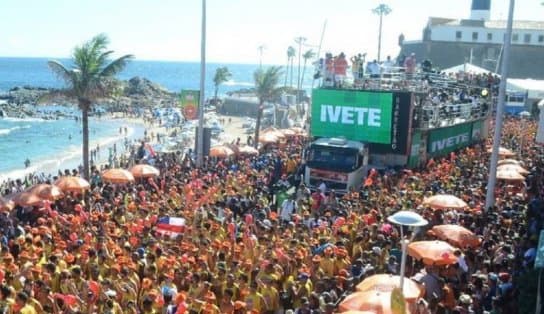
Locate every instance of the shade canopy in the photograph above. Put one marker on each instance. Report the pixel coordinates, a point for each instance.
(27, 199)
(46, 191)
(248, 151)
(6, 204)
(221, 152)
(372, 301)
(516, 168)
(510, 176)
(407, 218)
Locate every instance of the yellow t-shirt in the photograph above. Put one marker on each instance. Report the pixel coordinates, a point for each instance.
(28, 309)
(254, 301)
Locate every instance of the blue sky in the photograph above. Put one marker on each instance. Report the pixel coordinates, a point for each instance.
(170, 29)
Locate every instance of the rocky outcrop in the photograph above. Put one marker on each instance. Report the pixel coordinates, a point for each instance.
(136, 92)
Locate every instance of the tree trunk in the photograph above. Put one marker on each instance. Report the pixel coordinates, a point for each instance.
(303, 72)
(291, 84)
(216, 91)
(258, 124)
(85, 106)
(286, 73)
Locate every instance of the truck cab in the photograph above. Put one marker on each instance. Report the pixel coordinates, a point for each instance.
(339, 163)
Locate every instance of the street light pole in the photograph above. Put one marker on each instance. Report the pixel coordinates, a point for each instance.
(200, 137)
(409, 219)
(261, 49)
(492, 179)
(381, 10)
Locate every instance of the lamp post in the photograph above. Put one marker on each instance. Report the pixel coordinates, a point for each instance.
(261, 49)
(200, 135)
(409, 219)
(492, 177)
(381, 10)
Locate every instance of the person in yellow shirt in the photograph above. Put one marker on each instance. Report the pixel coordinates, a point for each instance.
(21, 302)
(270, 295)
(255, 300)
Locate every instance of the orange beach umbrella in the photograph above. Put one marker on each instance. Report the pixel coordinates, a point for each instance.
(509, 161)
(72, 184)
(432, 252)
(443, 201)
(510, 176)
(458, 235)
(27, 199)
(144, 171)
(517, 168)
(503, 152)
(46, 191)
(372, 301)
(248, 151)
(221, 151)
(117, 176)
(386, 283)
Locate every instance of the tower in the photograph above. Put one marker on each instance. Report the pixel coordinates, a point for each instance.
(480, 10)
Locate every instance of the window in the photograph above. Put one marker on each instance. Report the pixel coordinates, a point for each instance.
(489, 36)
(474, 35)
(458, 35)
(527, 38)
(515, 37)
(541, 38)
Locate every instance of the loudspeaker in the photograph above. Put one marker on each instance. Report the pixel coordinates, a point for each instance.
(207, 140)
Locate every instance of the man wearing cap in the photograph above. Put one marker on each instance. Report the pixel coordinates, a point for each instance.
(21, 302)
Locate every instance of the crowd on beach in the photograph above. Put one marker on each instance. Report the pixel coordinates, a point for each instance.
(243, 251)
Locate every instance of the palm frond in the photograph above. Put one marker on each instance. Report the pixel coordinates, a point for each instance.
(115, 66)
(61, 71)
(61, 95)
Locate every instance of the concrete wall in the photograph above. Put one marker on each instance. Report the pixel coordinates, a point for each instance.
(449, 33)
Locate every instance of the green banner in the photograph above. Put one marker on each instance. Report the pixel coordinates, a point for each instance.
(355, 115)
(445, 140)
(189, 101)
(413, 160)
(476, 131)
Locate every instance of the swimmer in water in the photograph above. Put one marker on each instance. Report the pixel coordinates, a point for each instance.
(70, 137)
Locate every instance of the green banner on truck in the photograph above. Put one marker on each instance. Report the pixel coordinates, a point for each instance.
(446, 140)
(355, 115)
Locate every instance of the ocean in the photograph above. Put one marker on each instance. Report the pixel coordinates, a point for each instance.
(56, 144)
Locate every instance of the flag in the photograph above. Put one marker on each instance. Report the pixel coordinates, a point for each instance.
(150, 150)
(170, 226)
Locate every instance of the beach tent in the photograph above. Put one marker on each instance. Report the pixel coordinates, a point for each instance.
(468, 68)
(534, 88)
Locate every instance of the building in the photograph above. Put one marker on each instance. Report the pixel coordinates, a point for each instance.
(479, 40)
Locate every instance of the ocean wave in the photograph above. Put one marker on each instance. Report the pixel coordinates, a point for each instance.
(8, 131)
(12, 119)
(234, 83)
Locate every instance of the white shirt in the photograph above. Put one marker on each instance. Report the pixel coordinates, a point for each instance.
(287, 209)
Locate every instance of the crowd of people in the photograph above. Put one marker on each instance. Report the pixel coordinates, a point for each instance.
(242, 251)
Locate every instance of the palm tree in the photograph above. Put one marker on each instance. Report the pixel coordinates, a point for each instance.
(222, 75)
(90, 78)
(310, 54)
(291, 52)
(266, 82)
